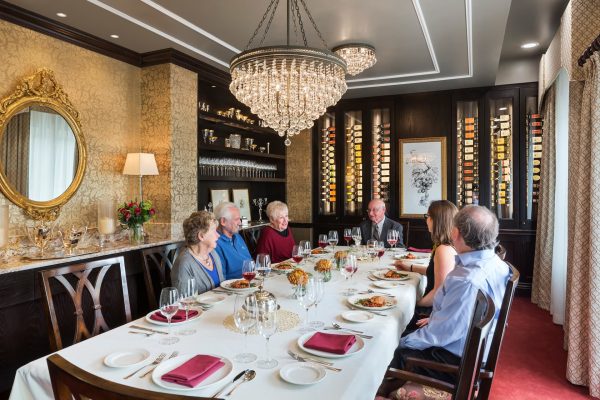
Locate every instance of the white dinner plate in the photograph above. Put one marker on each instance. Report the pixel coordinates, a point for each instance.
(390, 301)
(302, 373)
(195, 317)
(356, 347)
(387, 284)
(419, 258)
(380, 274)
(126, 358)
(210, 298)
(166, 366)
(225, 285)
(357, 316)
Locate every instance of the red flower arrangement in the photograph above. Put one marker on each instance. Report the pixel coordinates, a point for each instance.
(132, 213)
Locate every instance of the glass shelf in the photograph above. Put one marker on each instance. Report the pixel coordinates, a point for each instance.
(501, 157)
(381, 133)
(467, 153)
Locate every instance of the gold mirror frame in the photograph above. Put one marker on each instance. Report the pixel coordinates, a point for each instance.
(42, 89)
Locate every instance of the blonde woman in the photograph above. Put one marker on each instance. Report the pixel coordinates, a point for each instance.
(276, 239)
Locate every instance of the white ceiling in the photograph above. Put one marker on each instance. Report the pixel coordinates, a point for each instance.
(420, 44)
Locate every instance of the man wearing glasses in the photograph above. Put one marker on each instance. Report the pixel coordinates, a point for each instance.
(378, 225)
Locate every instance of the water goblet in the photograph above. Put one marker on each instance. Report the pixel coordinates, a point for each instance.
(244, 316)
(372, 248)
(332, 239)
(169, 305)
(306, 297)
(356, 235)
(266, 323)
(319, 293)
(263, 266)
(188, 292)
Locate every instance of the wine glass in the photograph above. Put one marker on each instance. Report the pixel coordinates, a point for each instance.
(392, 237)
(319, 293)
(249, 270)
(356, 235)
(297, 254)
(263, 266)
(347, 236)
(266, 323)
(350, 269)
(188, 292)
(169, 305)
(322, 241)
(306, 298)
(380, 250)
(372, 248)
(332, 239)
(305, 246)
(244, 315)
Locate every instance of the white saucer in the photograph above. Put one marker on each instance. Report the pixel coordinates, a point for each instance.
(210, 299)
(219, 376)
(387, 284)
(302, 373)
(357, 316)
(126, 358)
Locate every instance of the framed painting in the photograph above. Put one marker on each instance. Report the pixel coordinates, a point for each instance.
(218, 196)
(422, 174)
(241, 198)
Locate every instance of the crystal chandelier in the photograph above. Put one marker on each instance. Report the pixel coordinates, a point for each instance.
(288, 87)
(358, 56)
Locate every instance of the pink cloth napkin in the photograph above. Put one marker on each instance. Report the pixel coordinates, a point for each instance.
(178, 317)
(337, 344)
(414, 249)
(194, 371)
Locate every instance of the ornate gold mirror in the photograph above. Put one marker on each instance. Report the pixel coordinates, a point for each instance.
(42, 150)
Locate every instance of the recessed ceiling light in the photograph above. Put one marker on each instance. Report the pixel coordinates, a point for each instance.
(62, 15)
(212, 86)
(502, 109)
(114, 36)
(529, 45)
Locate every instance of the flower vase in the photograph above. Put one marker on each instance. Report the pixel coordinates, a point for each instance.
(136, 234)
(299, 291)
(326, 275)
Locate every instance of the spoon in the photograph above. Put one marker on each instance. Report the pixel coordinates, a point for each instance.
(248, 376)
(338, 326)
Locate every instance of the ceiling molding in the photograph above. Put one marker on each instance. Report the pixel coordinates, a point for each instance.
(205, 72)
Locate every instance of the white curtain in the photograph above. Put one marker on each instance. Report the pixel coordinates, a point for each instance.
(51, 156)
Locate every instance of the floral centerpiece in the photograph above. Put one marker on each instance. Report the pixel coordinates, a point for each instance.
(340, 257)
(134, 215)
(324, 268)
(299, 278)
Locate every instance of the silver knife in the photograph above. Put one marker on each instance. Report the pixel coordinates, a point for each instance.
(148, 329)
(238, 376)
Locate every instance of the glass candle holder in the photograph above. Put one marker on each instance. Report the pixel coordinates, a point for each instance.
(107, 222)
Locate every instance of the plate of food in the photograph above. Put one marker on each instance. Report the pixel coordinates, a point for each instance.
(357, 347)
(372, 302)
(126, 358)
(412, 257)
(156, 317)
(239, 285)
(283, 266)
(318, 250)
(391, 275)
(215, 368)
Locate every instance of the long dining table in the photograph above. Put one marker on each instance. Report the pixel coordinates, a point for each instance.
(360, 374)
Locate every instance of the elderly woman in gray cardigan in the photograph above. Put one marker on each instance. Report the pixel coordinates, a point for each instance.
(199, 260)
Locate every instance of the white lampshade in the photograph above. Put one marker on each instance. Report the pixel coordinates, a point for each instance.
(140, 164)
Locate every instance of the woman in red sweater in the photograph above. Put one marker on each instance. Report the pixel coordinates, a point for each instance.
(276, 239)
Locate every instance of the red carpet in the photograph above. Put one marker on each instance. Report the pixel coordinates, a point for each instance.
(532, 361)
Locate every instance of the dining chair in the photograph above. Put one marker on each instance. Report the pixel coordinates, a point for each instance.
(251, 236)
(71, 382)
(158, 262)
(75, 279)
(467, 372)
(405, 231)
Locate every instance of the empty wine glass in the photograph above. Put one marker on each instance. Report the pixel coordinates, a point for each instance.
(169, 305)
(332, 239)
(306, 248)
(306, 297)
(244, 315)
(297, 254)
(347, 236)
(319, 293)
(392, 237)
(356, 235)
(263, 266)
(188, 292)
(266, 323)
(372, 248)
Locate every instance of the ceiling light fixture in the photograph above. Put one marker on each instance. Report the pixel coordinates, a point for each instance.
(358, 56)
(529, 45)
(114, 36)
(62, 15)
(287, 86)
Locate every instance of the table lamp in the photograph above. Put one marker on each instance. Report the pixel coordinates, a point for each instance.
(140, 164)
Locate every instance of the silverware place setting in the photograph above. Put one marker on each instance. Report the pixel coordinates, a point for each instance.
(362, 335)
(173, 355)
(147, 329)
(248, 376)
(323, 364)
(157, 361)
(237, 377)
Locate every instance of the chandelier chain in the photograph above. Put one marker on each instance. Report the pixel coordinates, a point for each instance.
(268, 24)
(313, 24)
(295, 27)
(264, 17)
(300, 22)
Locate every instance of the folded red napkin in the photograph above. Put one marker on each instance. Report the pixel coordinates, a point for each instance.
(178, 317)
(194, 371)
(337, 344)
(419, 250)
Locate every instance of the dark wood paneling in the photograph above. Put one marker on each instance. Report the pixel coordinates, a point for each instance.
(520, 252)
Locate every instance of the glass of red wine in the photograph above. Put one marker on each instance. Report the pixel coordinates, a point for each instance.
(297, 254)
(322, 241)
(380, 250)
(249, 270)
(347, 236)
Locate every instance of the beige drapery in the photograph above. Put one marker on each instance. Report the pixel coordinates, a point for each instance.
(542, 266)
(15, 152)
(582, 326)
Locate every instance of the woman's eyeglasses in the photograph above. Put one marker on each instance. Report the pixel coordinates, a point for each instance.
(425, 216)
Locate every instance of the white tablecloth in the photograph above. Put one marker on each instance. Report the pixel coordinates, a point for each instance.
(360, 378)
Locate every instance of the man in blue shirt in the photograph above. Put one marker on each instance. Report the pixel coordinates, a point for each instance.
(442, 336)
(230, 246)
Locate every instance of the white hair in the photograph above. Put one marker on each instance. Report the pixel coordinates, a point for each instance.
(223, 210)
(276, 207)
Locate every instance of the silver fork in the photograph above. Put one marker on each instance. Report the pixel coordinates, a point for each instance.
(174, 354)
(302, 359)
(155, 362)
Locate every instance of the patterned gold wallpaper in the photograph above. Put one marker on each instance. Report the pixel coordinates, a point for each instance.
(106, 93)
(299, 189)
